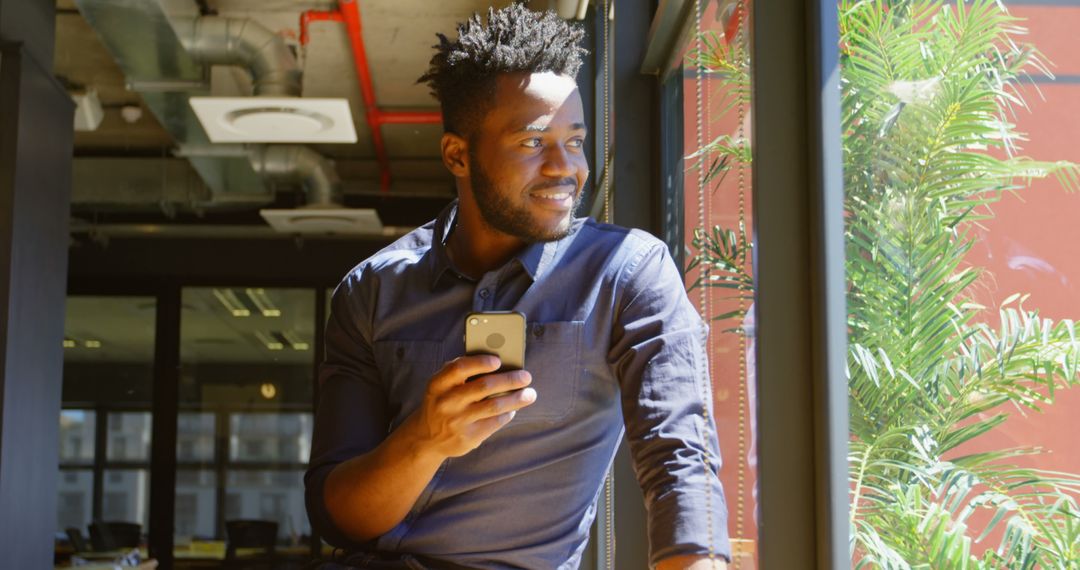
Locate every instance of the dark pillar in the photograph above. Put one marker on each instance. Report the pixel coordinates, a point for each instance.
(635, 179)
(35, 183)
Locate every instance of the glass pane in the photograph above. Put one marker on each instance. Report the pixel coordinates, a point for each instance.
(708, 225)
(196, 497)
(195, 437)
(278, 438)
(128, 436)
(247, 358)
(269, 495)
(108, 363)
(77, 429)
(124, 496)
(961, 178)
(76, 499)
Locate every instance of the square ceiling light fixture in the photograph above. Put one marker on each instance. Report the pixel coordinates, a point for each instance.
(275, 119)
(324, 220)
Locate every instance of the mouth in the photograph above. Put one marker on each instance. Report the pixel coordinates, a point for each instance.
(557, 198)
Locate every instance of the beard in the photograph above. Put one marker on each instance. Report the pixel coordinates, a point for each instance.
(500, 211)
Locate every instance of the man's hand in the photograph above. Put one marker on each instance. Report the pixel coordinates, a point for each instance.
(369, 494)
(692, 562)
(458, 415)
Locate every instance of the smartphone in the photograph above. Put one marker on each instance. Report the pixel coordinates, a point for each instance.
(501, 333)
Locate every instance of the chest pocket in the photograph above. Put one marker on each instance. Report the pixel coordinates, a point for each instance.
(553, 357)
(405, 368)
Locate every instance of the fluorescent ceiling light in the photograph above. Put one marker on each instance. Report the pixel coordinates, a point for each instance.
(275, 119)
(92, 344)
(232, 303)
(70, 343)
(294, 340)
(262, 302)
(269, 341)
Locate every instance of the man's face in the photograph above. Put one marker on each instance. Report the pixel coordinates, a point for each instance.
(527, 160)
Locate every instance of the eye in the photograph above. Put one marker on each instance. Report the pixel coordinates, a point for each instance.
(576, 142)
(532, 143)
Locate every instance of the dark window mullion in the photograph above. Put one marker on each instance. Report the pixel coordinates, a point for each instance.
(221, 457)
(320, 330)
(100, 443)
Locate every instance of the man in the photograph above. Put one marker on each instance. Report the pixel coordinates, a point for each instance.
(412, 464)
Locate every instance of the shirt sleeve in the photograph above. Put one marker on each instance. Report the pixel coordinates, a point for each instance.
(658, 356)
(352, 416)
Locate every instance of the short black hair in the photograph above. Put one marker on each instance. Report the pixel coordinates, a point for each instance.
(463, 72)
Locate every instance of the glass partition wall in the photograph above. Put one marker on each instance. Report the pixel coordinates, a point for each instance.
(105, 415)
(244, 427)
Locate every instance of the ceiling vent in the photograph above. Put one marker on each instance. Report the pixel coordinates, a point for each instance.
(275, 119)
(324, 220)
(277, 114)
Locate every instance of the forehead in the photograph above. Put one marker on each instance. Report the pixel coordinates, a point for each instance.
(537, 100)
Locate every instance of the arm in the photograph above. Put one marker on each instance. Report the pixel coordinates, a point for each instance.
(368, 495)
(362, 481)
(658, 357)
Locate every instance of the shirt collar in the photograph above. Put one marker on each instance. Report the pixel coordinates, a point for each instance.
(535, 258)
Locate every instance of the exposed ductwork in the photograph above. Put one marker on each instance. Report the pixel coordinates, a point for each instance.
(213, 40)
(300, 165)
(183, 43)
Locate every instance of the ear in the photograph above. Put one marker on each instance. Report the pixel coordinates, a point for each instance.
(455, 155)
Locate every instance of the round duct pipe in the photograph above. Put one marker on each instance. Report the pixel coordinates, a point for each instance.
(300, 164)
(232, 41)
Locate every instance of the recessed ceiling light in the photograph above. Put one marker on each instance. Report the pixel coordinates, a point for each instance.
(92, 344)
(275, 119)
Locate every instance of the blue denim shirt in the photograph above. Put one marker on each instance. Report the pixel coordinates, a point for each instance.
(612, 342)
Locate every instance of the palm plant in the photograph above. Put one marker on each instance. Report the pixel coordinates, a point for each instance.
(928, 91)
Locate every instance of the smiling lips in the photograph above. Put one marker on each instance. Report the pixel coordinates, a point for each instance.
(559, 196)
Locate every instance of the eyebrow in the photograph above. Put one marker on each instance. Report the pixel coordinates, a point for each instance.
(540, 129)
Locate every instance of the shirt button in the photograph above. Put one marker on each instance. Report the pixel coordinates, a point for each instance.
(484, 293)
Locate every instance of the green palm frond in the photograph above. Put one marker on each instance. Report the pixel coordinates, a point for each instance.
(931, 90)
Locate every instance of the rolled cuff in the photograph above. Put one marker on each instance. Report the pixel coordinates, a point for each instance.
(680, 523)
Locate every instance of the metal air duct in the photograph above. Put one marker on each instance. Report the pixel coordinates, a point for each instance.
(228, 41)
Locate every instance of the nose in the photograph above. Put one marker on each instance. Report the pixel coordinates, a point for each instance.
(558, 163)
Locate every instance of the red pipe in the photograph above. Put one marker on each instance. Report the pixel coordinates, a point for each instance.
(349, 12)
(410, 117)
(315, 16)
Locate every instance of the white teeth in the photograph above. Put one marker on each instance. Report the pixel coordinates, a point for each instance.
(558, 196)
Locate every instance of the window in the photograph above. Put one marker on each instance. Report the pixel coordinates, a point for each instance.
(708, 224)
(247, 359)
(960, 158)
(108, 374)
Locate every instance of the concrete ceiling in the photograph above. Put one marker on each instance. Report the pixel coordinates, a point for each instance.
(398, 35)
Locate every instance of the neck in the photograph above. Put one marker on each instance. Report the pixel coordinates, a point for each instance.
(477, 248)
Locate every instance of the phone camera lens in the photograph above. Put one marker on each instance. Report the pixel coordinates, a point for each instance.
(495, 340)
(474, 321)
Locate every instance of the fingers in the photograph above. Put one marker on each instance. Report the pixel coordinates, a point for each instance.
(500, 406)
(491, 384)
(458, 370)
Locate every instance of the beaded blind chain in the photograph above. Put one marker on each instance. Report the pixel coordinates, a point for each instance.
(607, 216)
(703, 293)
(740, 57)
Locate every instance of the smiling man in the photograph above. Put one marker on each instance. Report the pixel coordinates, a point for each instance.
(415, 466)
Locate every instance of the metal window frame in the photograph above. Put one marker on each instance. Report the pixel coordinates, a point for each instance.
(799, 263)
